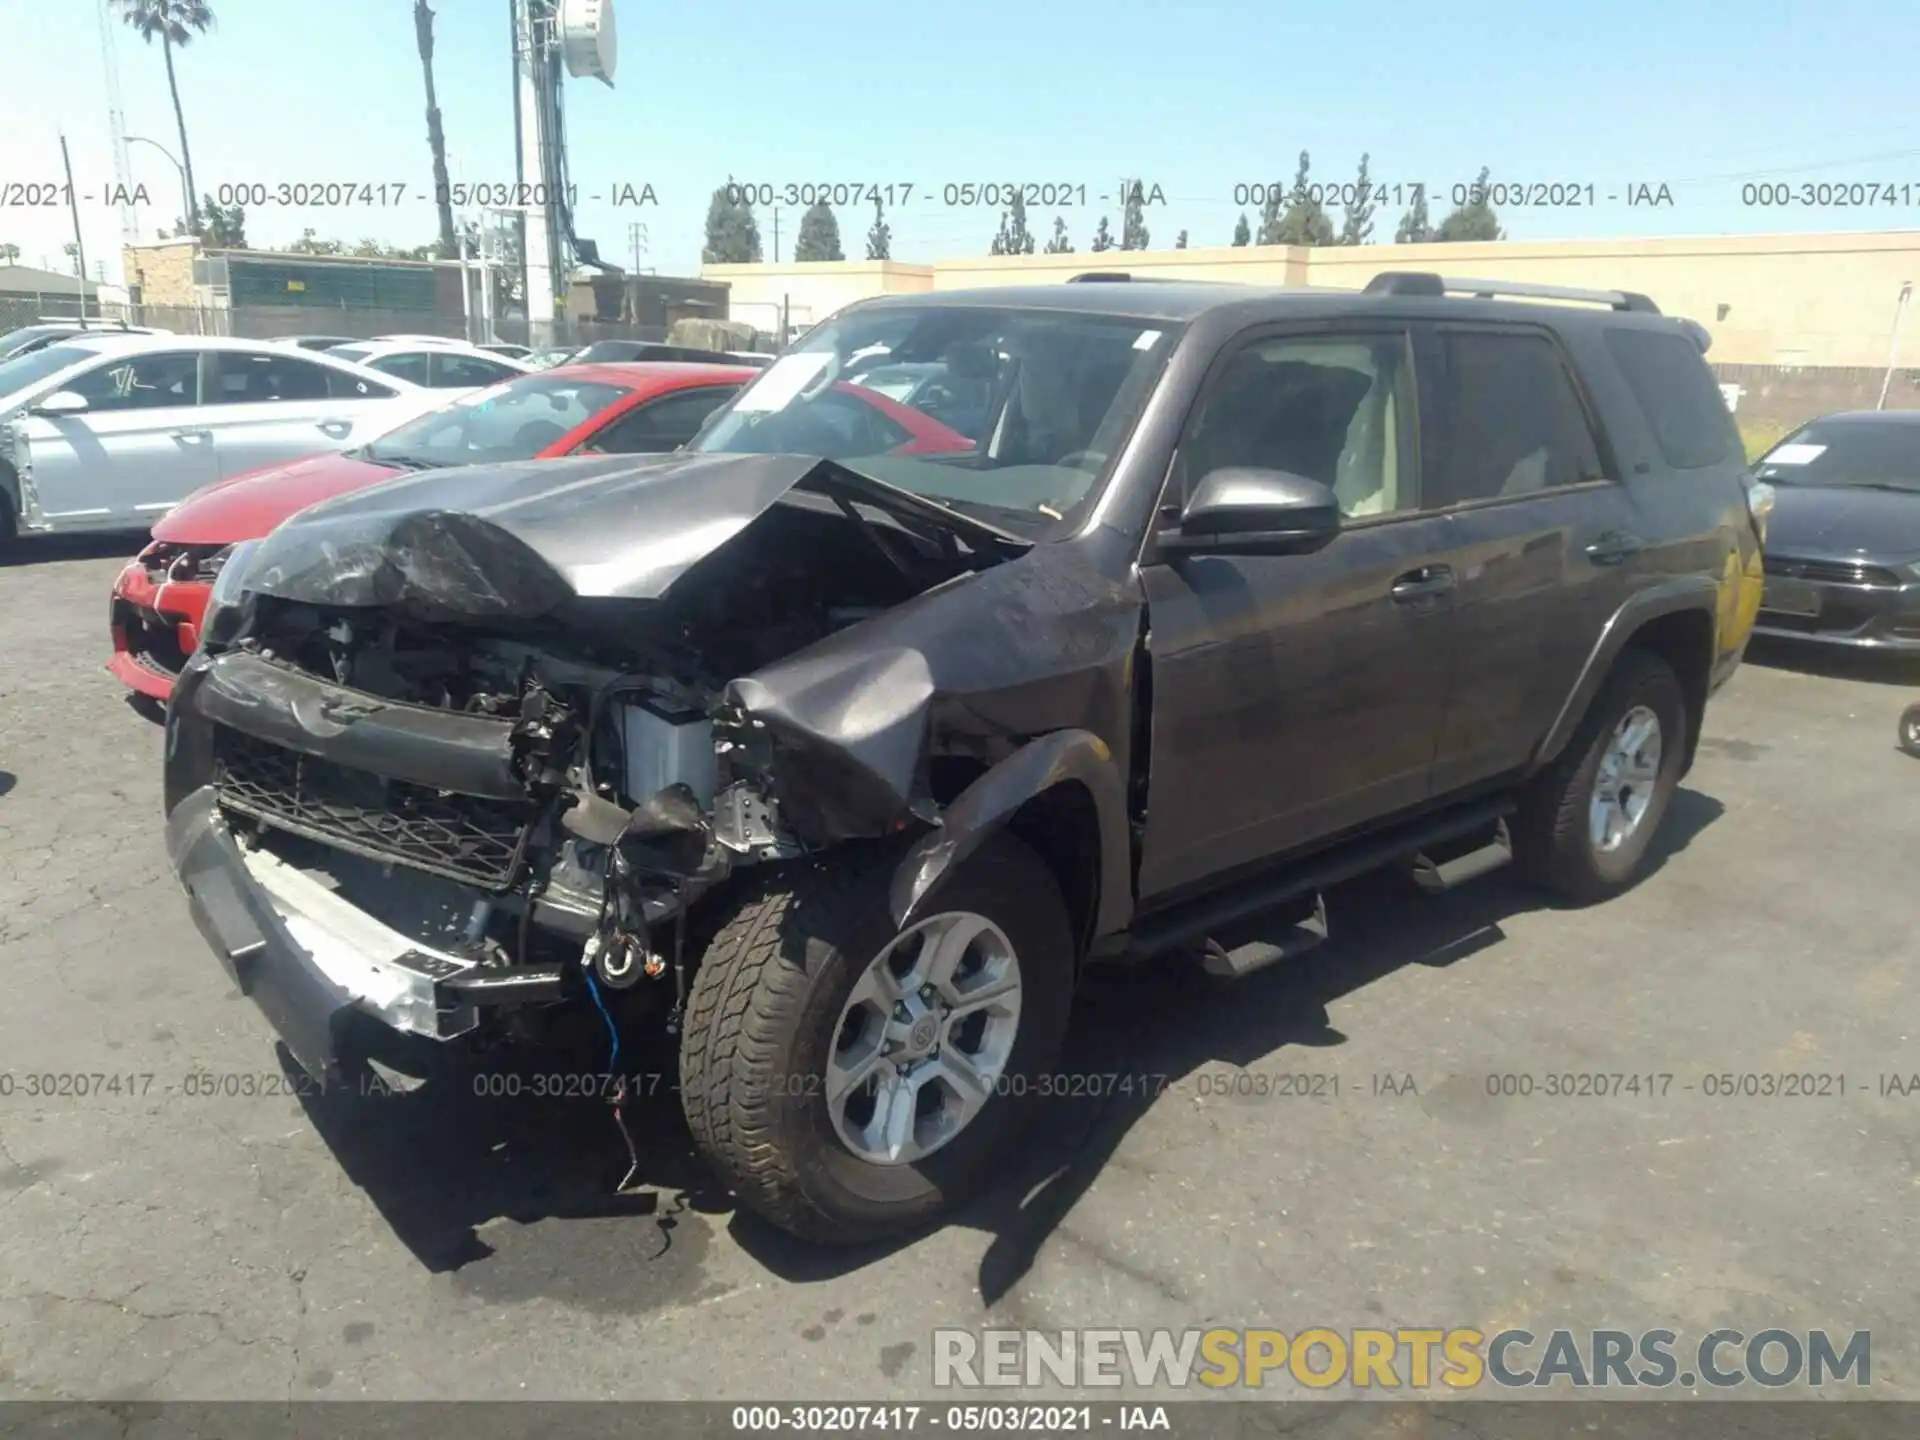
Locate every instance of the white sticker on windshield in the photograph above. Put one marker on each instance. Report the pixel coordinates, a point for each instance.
(1146, 339)
(1796, 455)
(782, 380)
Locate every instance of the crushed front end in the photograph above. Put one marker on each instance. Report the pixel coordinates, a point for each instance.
(441, 817)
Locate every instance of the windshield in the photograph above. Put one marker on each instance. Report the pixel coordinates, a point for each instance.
(1847, 453)
(32, 368)
(514, 420)
(1010, 414)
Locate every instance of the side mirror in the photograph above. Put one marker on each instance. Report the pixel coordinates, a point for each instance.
(1255, 512)
(62, 402)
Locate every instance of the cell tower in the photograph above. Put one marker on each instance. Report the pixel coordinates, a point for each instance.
(553, 39)
(117, 124)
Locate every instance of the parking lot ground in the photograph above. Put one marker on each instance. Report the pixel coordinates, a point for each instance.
(161, 1244)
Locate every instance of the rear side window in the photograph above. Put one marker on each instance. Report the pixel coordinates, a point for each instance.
(1678, 396)
(1505, 422)
(410, 365)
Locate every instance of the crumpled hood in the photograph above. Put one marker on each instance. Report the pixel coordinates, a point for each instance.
(518, 539)
(1829, 522)
(247, 506)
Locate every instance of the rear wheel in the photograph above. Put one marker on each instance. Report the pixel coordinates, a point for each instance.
(9, 509)
(1910, 730)
(1586, 821)
(849, 1080)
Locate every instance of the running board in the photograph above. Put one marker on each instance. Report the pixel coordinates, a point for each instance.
(1224, 910)
(1293, 941)
(1435, 876)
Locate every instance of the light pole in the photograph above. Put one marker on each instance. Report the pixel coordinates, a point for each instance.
(1900, 308)
(190, 218)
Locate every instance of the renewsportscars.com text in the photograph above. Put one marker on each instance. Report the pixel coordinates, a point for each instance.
(1414, 1359)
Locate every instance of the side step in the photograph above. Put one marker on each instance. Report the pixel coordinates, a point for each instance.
(1225, 911)
(1435, 876)
(1280, 940)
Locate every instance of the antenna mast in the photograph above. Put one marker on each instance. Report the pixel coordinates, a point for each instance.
(117, 125)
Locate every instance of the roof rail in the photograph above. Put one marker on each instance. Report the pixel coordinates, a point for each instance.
(1101, 276)
(1420, 282)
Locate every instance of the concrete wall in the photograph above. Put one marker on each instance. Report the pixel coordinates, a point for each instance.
(814, 290)
(163, 270)
(1786, 300)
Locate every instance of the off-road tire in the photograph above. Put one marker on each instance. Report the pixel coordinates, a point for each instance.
(1551, 842)
(762, 1015)
(9, 511)
(1910, 730)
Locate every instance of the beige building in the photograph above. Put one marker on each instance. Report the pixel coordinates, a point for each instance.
(1789, 301)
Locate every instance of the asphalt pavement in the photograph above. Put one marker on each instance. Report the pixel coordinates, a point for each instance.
(1347, 1142)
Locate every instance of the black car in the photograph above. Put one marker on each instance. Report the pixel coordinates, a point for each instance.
(839, 762)
(1843, 543)
(316, 342)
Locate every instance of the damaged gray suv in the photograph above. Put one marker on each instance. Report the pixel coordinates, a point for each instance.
(839, 751)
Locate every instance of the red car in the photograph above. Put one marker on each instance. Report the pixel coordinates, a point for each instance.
(641, 408)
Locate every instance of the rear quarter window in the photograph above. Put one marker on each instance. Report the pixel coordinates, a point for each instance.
(1677, 394)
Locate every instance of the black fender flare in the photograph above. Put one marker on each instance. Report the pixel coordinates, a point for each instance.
(1681, 592)
(986, 805)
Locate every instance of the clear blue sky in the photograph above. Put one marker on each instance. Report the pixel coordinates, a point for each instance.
(1702, 95)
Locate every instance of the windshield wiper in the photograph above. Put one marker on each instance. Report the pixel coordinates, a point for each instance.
(403, 462)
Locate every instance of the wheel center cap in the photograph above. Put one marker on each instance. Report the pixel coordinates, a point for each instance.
(920, 1038)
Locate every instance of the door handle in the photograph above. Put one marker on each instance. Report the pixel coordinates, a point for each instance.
(192, 436)
(1429, 582)
(337, 428)
(1614, 548)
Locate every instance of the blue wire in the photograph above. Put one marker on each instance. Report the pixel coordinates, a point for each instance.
(613, 1031)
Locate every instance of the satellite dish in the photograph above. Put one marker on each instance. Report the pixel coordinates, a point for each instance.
(586, 39)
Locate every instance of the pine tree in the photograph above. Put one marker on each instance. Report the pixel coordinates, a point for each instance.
(819, 237)
(1059, 244)
(1133, 220)
(1474, 220)
(1242, 232)
(1358, 226)
(1013, 238)
(1305, 222)
(1180, 241)
(1102, 237)
(733, 237)
(1415, 228)
(880, 237)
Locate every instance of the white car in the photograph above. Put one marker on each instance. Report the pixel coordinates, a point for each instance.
(438, 364)
(107, 432)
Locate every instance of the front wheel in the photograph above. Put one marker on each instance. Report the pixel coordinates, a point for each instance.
(1910, 730)
(1586, 821)
(849, 1080)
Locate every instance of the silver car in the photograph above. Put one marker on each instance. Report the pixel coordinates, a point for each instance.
(107, 432)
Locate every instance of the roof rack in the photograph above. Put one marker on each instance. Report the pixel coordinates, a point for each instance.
(1421, 282)
(1099, 276)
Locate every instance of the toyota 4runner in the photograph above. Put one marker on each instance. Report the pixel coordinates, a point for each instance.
(840, 759)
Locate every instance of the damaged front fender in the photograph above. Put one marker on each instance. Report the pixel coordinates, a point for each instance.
(984, 807)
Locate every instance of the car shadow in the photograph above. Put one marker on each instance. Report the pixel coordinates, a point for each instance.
(1830, 662)
(7, 781)
(51, 549)
(444, 1162)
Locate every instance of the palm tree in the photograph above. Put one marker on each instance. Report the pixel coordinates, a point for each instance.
(175, 23)
(9, 254)
(436, 137)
